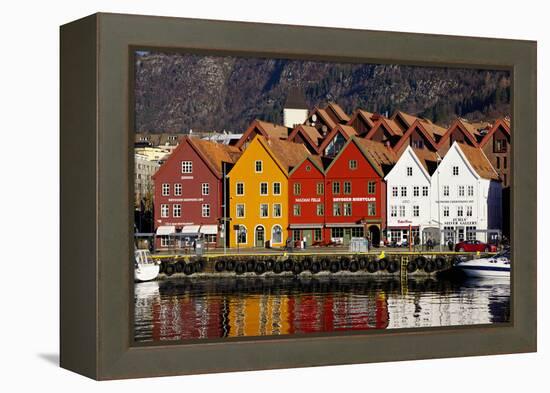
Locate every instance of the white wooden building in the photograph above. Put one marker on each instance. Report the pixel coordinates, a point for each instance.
(466, 195)
(409, 199)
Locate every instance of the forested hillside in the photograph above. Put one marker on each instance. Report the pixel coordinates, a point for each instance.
(178, 92)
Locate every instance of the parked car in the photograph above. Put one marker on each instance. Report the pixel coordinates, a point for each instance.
(475, 245)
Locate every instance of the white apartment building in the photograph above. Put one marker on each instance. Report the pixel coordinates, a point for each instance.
(466, 195)
(409, 196)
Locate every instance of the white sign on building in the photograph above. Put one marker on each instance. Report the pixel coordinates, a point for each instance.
(409, 198)
(467, 195)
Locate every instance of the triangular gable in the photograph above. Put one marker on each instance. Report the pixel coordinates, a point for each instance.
(255, 125)
(457, 125)
(311, 160)
(364, 117)
(410, 150)
(350, 141)
(300, 130)
(180, 147)
(380, 123)
(500, 123)
(324, 116)
(417, 125)
(331, 135)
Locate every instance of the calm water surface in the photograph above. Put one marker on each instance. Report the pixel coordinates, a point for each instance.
(181, 309)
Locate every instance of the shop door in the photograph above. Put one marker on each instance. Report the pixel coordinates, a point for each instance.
(309, 237)
(260, 237)
(347, 235)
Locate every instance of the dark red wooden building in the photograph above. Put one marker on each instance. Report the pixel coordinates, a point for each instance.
(306, 200)
(355, 191)
(189, 191)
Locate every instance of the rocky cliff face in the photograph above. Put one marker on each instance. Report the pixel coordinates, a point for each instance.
(178, 92)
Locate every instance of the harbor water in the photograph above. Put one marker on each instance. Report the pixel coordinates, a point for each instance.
(207, 308)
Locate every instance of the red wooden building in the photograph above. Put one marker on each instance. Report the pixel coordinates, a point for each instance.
(355, 192)
(306, 200)
(189, 191)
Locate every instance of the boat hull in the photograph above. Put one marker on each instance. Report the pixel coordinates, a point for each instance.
(486, 267)
(146, 272)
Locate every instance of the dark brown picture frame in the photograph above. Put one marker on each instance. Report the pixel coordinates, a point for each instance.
(96, 196)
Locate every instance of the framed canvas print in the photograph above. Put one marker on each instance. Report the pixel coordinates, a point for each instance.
(240, 196)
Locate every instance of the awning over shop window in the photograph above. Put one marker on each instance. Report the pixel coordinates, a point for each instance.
(190, 230)
(209, 229)
(345, 225)
(305, 226)
(166, 230)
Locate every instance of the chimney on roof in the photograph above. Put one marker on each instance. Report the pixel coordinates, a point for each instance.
(295, 110)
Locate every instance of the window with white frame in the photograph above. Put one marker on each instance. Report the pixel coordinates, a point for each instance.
(461, 190)
(187, 167)
(176, 210)
(240, 210)
(239, 188)
(336, 187)
(317, 234)
(471, 233)
(352, 164)
(263, 188)
(455, 171)
(277, 210)
(403, 191)
(347, 209)
(394, 191)
(320, 188)
(177, 189)
(277, 234)
(206, 210)
(276, 188)
(469, 211)
(164, 211)
(371, 209)
(205, 188)
(297, 210)
(297, 188)
(371, 187)
(402, 211)
(445, 211)
(347, 187)
(320, 209)
(425, 191)
(445, 190)
(416, 211)
(337, 209)
(264, 210)
(165, 189)
(258, 166)
(459, 211)
(393, 211)
(165, 241)
(416, 191)
(470, 190)
(409, 171)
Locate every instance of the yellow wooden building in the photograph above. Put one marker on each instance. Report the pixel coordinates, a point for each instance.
(258, 189)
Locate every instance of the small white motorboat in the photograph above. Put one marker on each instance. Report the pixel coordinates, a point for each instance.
(495, 266)
(145, 268)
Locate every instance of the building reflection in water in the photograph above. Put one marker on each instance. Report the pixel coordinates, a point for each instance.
(237, 307)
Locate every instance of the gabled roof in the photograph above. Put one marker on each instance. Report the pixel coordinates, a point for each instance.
(388, 124)
(286, 154)
(324, 116)
(211, 153)
(423, 160)
(504, 124)
(364, 115)
(309, 133)
(417, 125)
(266, 129)
(406, 118)
(346, 131)
(478, 161)
(321, 163)
(338, 111)
(470, 132)
(428, 159)
(379, 157)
